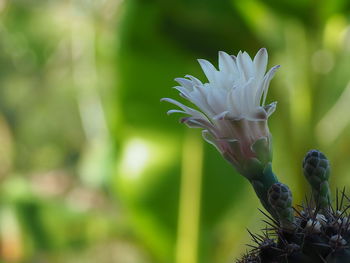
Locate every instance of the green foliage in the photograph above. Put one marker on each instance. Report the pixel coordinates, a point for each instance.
(79, 98)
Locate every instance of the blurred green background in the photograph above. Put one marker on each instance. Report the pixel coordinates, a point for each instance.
(92, 169)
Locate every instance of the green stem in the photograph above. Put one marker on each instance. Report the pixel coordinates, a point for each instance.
(261, 183)
(323, 195)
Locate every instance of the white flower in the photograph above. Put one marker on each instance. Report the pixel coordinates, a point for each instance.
(232, 111)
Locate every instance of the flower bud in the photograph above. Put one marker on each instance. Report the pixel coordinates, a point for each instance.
(317, 171)
(280, 199)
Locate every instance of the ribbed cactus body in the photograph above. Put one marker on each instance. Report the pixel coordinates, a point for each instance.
(316, 238)
(316, 233)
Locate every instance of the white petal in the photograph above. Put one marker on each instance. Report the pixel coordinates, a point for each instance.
(188, 84)
(195, 81)
(192, 123)
(245, 65)
(216, 98)
(226, 63)
(199, 97)
(247, 59)
(248, 97)
(270, 108)
(265, 87)
(175, 111)
(185, 93)
(208, 69)
(209, 138)
(183, 90)
(199, 123)
(260, 63)
(233, 104)
(188, 110)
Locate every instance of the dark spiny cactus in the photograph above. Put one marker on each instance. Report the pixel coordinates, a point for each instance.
(316, 233)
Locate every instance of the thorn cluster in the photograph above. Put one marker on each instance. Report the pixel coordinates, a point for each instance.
(316, 238)
(313, 232)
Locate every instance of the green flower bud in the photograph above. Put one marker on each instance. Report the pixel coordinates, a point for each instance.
(280, 199)
(317, 171)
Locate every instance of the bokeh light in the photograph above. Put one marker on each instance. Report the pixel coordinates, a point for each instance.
(91, 167)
